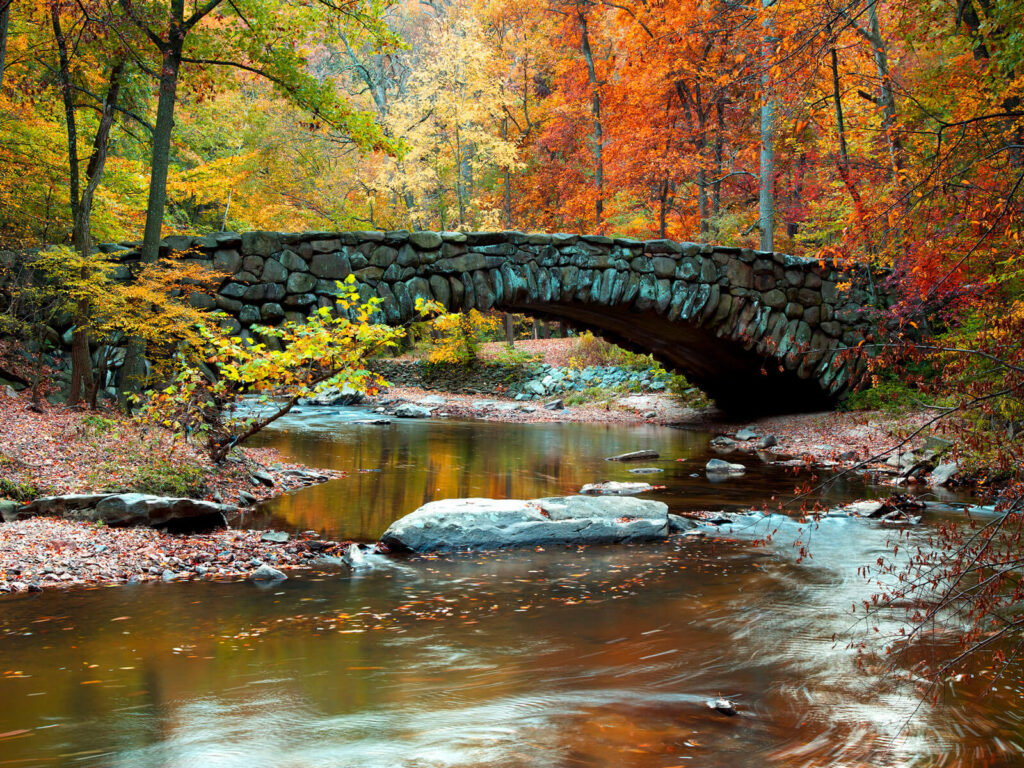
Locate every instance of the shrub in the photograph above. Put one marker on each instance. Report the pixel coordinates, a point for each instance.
(890, 396)
(98, 425)
(588, 349)
(458, 337)
(164, 477)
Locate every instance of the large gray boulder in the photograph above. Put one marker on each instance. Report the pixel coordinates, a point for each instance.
(944, 474)
(461, 524)
(133, 509)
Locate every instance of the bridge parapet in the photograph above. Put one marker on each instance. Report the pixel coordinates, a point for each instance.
(758, 331)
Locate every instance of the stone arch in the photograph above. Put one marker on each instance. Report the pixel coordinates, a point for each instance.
(759, 332)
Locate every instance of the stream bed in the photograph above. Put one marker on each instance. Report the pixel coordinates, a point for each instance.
(599, 656)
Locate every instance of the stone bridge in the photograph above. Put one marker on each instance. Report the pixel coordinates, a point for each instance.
(759, 332)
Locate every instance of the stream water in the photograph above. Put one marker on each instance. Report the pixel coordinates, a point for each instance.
(603, 656)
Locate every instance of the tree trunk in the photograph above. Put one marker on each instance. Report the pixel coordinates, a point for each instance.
(844, 154)
(81, 365)
(716, 187)
(595, 108)
(161, 156)
(5, 18)
(663, 208)
(886, 95)
(506, 181)
(510, 329)
(701, 144)
(132, 371)
(766, 197)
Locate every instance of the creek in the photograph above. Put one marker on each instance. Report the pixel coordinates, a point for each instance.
(600, 656)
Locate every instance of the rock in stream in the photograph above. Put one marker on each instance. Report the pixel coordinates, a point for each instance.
(474, 524)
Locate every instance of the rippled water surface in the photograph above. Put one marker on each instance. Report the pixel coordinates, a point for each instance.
(602, 656)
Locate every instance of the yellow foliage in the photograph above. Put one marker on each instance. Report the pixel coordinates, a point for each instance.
(458, 335)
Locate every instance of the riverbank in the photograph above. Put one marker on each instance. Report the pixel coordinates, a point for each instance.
(49, 553)
(56, 450)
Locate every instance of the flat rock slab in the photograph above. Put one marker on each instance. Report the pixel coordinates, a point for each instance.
(132, 509)
(615, 489)
(634, 456)
(478, 524)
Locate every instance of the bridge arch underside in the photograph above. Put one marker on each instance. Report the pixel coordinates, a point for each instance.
(741, 380)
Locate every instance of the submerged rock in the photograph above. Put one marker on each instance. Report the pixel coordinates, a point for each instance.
(678, 524)
(461, 524)
(634, 456)
(724, 706)
(355, 557)
(645, 471)
(615, 489)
